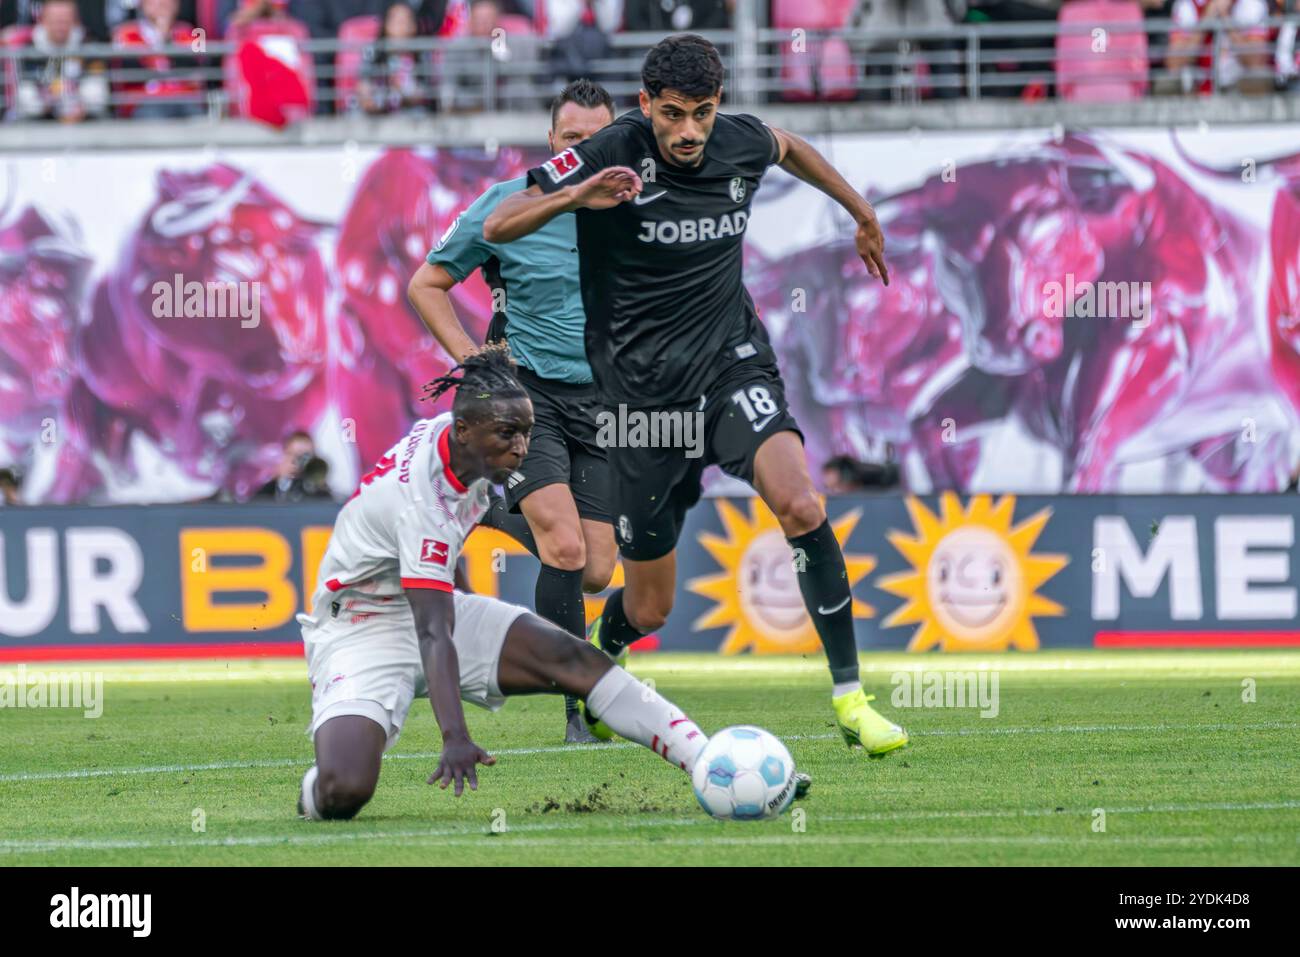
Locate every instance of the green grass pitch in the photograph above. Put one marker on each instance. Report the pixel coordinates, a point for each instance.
(1185, 770)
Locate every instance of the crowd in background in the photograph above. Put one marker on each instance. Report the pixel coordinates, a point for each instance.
(563, 39)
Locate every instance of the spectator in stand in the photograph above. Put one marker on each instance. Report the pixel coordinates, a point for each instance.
(564, 16)
(431, 15)
(251, 10)
(945, 66)
(274, 78)
(580, 42)
(63, 86)
(462, 65)
(1248, 62)
(1015, 11)
(170, 95)
(1284, 55)
(393, 80)
(484, 17)
(300, 474)
(451, 18)
(324, 17)
(9, 488)
(676, 16)
(99, 18)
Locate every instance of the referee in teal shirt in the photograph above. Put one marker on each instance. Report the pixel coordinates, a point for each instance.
(562, 486)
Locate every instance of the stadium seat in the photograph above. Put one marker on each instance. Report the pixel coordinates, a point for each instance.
(824, 70)
(836, 73)
(1117, 74)
(354, 34)
(277, 41)
(811, 14)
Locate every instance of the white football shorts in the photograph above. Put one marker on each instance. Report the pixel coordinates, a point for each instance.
(370, 665)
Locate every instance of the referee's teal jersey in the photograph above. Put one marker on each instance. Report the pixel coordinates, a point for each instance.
(543, 297)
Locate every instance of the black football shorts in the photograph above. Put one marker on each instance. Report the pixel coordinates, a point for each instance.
(652, 489)
(563, 447)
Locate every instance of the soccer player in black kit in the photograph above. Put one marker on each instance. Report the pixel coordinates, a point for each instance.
(662, 197)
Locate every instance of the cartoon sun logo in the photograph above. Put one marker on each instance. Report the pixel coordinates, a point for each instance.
(757, 592)
(973, 583)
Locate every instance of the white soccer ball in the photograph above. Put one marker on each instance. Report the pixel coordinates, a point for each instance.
(744, 774)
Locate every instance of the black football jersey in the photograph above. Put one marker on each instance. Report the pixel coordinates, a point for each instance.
(667, 313)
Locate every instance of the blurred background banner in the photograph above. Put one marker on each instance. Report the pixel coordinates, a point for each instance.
(1105, 311)
(949, 573)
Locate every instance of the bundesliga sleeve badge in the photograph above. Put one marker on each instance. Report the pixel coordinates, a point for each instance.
(433, 552)
(562, 165)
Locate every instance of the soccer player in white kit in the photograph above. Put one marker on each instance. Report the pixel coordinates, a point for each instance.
(386, 623)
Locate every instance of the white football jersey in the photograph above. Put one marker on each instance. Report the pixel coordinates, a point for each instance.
(404, 528)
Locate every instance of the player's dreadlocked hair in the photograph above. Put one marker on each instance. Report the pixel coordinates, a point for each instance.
(485, 377)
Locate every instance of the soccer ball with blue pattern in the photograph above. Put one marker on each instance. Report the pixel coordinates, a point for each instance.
(744, 774)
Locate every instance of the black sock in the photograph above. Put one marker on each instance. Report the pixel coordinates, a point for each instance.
(558, 599)
(824, 583)
(616, 632)
(500, 517)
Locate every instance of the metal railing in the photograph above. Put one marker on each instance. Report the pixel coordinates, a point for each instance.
(516, 71)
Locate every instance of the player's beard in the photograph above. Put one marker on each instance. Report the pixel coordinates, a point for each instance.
(693, 159)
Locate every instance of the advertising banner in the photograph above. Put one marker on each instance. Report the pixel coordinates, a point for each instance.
(953, 573)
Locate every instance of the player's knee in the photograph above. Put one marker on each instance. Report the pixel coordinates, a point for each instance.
(648, 616)
(597, 573)
(801, 513)
(341, 794)
(564, 550)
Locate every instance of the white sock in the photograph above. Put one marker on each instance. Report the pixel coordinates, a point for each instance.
(639, 713)
(309, 795)
(845, 687)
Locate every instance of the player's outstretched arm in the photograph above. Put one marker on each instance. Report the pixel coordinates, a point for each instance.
(798, 158)
(435, 620)
(530, 209)
(427, 292)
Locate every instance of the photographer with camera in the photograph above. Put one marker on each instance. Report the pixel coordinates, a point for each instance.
(300, 474)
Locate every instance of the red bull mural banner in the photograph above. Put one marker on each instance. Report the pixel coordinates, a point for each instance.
(1090, 311)
(951, 573)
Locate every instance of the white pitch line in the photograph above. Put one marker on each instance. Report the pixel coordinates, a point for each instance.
(908, 815)
(80, 773)
(1105, 728)
(475, 835)
(483, 839)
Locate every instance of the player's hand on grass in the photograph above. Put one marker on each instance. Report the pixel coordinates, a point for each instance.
(457, 765)
(606, 189)
(871, 247)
